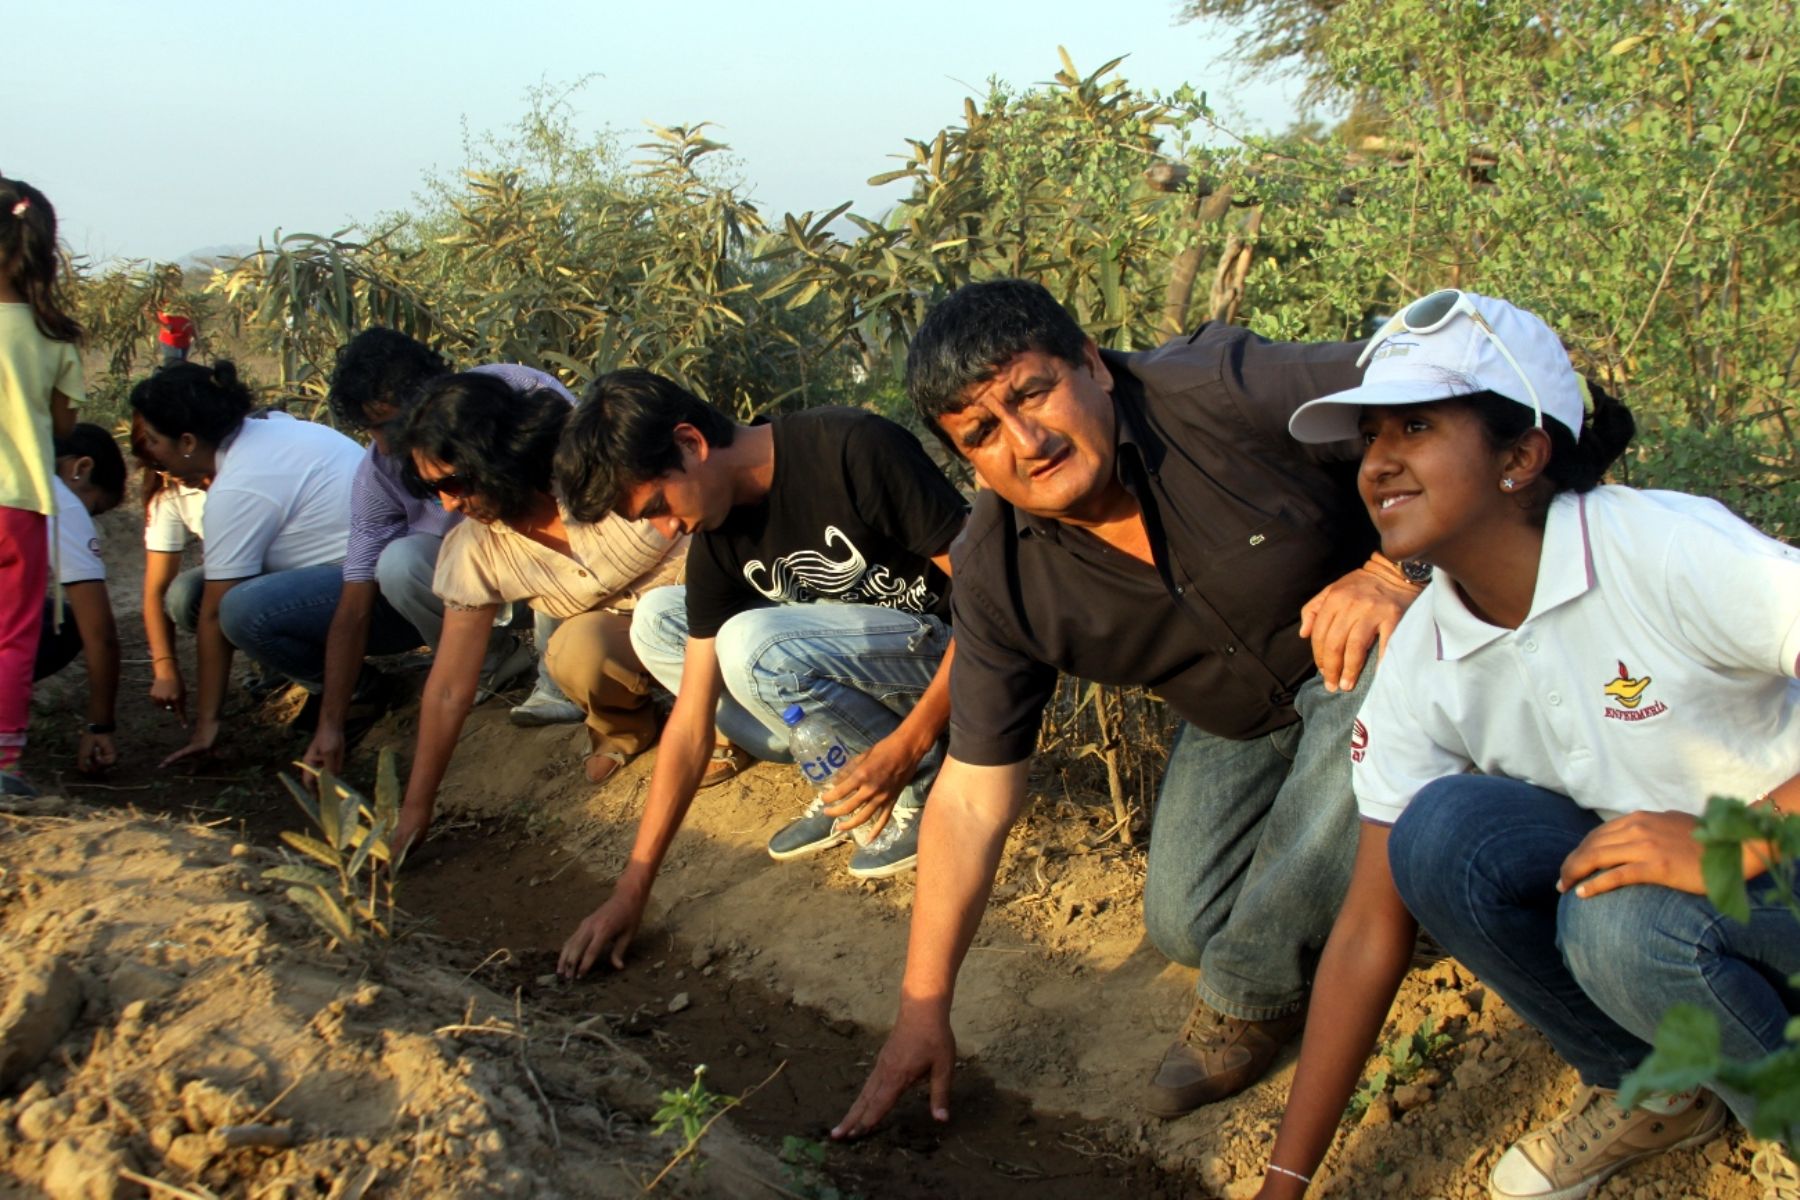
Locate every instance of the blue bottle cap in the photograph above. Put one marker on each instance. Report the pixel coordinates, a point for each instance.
(793, 714)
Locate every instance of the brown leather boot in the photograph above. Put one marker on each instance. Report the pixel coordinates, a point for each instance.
(1216, 1056)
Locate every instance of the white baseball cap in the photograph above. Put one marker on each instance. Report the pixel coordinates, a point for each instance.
(1453, 343)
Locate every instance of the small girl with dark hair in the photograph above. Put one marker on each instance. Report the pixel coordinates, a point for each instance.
(173, 518)
(1589, 665)
(276, 522)
(40, 384)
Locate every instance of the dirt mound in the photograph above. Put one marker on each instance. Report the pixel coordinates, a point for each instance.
(168, 1016)
(1062, 999)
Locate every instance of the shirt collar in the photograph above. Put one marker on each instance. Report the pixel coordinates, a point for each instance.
(1565, 571)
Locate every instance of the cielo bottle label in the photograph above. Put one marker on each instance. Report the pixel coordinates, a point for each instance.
(827, 764)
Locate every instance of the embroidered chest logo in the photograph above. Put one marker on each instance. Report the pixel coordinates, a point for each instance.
(1629, 695)
(1359, 741)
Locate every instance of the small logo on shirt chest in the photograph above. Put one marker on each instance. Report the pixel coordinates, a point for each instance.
(1631, 697)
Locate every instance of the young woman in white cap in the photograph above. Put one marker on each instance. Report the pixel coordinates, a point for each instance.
(1606, 659)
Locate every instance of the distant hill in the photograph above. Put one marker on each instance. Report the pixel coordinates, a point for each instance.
(206, 256)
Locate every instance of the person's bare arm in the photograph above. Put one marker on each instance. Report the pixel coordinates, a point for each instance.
(92, 607)
(345, 643)
(167, 688)
(1353, 615)
(214, 670)
(960, 838)
(866, 790)
(443, 707)
(1364, 961)
(681, 757)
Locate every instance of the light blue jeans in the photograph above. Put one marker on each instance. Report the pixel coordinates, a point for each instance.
(182, 601)
(282, 619)
(859, 666)
(1476, 858)
(1250, 854)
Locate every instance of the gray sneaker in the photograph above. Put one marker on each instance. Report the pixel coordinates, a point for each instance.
(894, 849)
(811, 833)
(13, 785)
(544, 707)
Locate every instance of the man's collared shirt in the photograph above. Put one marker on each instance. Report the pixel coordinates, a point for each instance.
(1654, 669)
(1245, 525)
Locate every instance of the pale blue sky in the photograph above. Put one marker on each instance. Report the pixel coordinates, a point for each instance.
(159, 129)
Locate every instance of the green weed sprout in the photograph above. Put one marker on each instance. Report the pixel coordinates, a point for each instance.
(694, 1108)
(1687, 1052)
(350, 893)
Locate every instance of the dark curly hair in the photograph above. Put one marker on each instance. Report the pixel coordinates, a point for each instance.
(968, 337)
(623, 433)
(499, 441)
(93, 442)
(380, 366)
(208, 402)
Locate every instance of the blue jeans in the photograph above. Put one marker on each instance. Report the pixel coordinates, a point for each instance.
(182, 600)
(861, 667)
(1476, 858)
(281, 620)
(1250, 854)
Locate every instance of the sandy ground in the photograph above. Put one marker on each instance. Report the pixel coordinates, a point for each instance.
(780, 972)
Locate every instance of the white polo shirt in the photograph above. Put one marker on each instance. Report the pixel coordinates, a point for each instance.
(177, 513)
(1656, 668)
(74, 542)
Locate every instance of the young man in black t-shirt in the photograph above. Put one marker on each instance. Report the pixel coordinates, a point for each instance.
(818, 575)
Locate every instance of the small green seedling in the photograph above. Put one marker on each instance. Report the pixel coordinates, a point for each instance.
(350, 893)
(693, 1108)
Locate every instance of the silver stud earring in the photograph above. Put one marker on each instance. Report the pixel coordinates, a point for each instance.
(1507, 484)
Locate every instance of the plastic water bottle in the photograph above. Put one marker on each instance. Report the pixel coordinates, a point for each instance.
(820, 754)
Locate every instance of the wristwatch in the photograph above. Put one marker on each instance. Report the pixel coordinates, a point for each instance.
(1416, 570)
(101, 727)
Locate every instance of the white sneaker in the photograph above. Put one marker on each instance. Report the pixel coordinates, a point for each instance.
(544, 707)
(1570, 1157)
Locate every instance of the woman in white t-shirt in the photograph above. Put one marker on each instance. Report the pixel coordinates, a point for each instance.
(1606, 660)
(278, 504)
(89, 480)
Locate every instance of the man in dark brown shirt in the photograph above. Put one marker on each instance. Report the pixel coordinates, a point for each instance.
(1147, 520)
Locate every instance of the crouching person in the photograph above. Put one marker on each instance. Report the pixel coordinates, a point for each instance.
(89, 480)
(387, 604)
(484, 450)
(819, 577)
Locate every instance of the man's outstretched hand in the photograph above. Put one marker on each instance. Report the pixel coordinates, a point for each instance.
(607, 930)
(920, 1047)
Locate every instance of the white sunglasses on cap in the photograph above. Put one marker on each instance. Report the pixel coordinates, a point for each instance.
(1428, 314)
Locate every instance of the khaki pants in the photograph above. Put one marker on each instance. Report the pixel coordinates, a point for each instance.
(591, 659)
